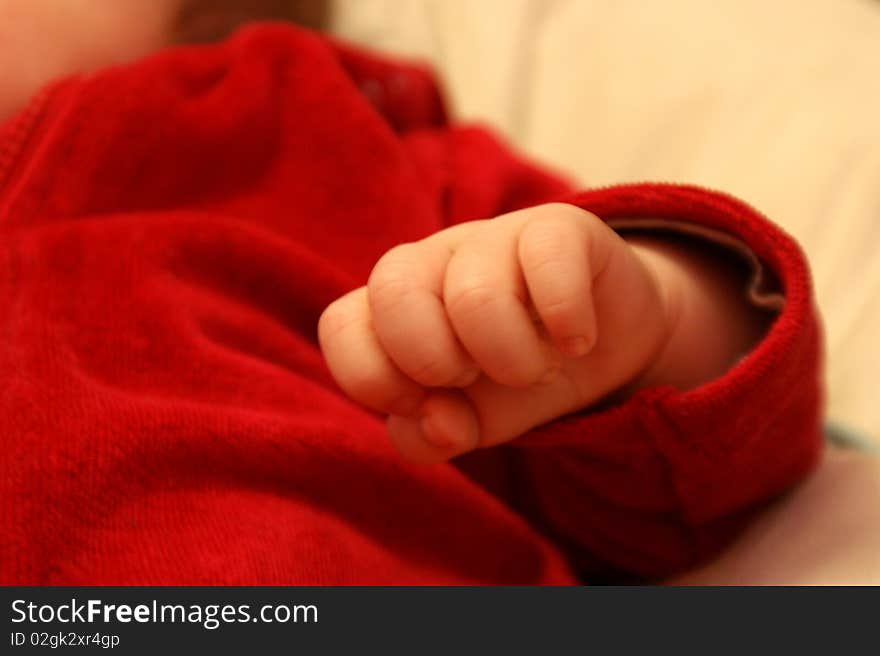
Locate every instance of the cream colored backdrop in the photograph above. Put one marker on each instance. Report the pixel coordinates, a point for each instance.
(777, 102)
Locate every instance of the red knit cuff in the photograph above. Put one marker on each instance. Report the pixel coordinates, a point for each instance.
(736, 440)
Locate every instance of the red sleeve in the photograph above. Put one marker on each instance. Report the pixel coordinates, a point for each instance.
(664, 480)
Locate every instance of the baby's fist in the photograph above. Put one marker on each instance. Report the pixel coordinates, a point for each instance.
(482, 331)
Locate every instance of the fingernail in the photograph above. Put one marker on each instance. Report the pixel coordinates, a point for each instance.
(575, 347)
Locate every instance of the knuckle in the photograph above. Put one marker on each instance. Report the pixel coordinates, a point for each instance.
(542, 241)
(515, 373)
(360, 384)
(391, 277)
(387, 292)
(565, 212)
(333, 320)
(552, 229)
(470, 299)
(395, 253)
(433, 371)
(558, 309)
(374, 390)
(540, 251)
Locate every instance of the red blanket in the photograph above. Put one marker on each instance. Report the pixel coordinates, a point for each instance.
(170, 232)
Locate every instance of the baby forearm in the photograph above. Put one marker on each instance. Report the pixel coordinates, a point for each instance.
(712, 323)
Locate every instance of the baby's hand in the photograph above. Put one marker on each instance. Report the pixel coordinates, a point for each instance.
(482, 331)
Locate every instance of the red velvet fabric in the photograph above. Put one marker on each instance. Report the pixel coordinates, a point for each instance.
(170, 232)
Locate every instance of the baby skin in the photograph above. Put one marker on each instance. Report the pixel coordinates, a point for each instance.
(485, 330)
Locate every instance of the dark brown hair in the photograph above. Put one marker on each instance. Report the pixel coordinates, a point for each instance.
(200, 21)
